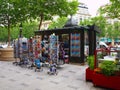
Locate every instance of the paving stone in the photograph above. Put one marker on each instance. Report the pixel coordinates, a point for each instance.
(27, 74)
(72, 71)
(73, 87)
(65, 76)
(2, 77)
(37, 89)
(40, 78)
(17, 72)
(54, 82)
(24, 84)
(80, 79)
(10, 69)
(12, 80)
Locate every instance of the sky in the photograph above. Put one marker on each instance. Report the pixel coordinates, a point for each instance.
(93, 5)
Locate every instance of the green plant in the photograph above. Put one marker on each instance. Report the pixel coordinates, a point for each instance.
(90, 60)
(99, 55)
(108, 68)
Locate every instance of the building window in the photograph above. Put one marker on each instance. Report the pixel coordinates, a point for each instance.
(80, 19)
(45, 25)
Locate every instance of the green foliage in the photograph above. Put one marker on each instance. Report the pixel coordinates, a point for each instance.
(12, 12)
(3, 34)
(29, 28)
(46, 9)
(112, 30)
(108, 68)
(112, 9)
(107, 29)
(27, 31)
(99, 55)
(90, 60)
(59, 23)
(100, 21)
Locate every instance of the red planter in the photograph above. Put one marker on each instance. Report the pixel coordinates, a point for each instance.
(89, 74)
(112, 82)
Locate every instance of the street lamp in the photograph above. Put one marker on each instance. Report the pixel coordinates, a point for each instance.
(20, 30)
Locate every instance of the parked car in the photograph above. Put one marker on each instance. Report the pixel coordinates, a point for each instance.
(103, 45)
(118, 52)
(118, 48)
(1, 46)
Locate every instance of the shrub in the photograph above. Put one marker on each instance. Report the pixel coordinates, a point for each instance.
(108, 68)
(99, 55)
(90, 60)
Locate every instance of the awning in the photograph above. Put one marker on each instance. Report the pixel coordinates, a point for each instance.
(109, 40)
(106, 40)
(103, 39)
(117, 40)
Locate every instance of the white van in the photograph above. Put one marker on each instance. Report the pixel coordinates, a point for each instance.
(102, 45)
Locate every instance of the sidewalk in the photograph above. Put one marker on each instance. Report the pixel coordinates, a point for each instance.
(70, 77)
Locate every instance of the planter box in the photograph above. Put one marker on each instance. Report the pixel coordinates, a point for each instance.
(6, 54)
(89, 74)
(112, 82)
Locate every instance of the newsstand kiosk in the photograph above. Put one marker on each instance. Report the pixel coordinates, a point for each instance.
(76, 39)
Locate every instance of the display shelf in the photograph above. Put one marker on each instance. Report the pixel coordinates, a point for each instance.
(54, 48)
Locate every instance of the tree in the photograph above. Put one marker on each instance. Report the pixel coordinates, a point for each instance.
(100, 21)
(29, 28)
(59, 23)
(112, 9)
(107, 29)
(3, 34)
(11, 13)
(114, 30)
(46, 9)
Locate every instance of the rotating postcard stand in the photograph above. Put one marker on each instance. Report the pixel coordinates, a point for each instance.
(17, 49)
(34, 45)
(56, 50)
(53, 48)
(16, 53)
(37, 46)
(30, 50)
(22, 48)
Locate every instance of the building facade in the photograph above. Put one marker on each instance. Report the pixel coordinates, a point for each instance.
(82, 13)
(45, 25)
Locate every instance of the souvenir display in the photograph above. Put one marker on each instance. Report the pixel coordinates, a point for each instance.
(21, 51)
(54, 48)
(75, 45)
(61, 53)
(30, 49)
(24, 48)
(20, 48)
(37, 46)
(34, 52)
(45, 50)
(16, 49)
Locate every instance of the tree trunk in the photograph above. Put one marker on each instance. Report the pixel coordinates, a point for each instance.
(41, 19)
(8, 31)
